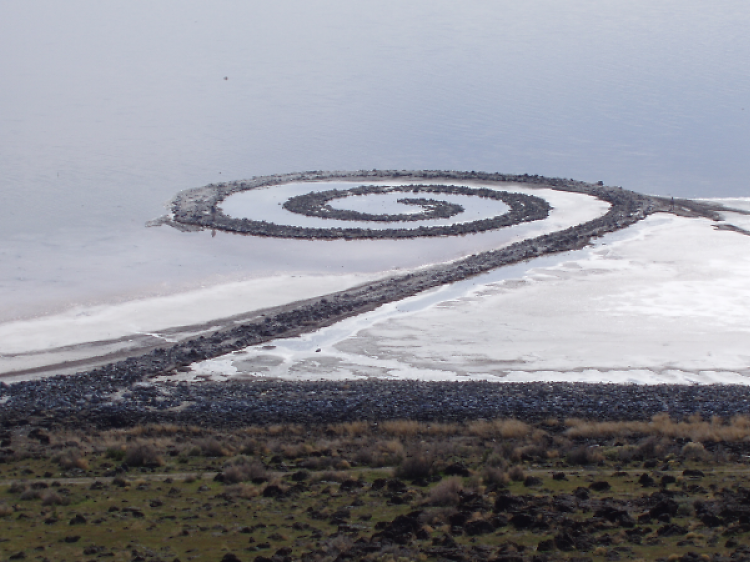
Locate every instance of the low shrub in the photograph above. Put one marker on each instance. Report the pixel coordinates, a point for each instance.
(244, 469)
(115, 453)
(418, 465)
(72, 458)
(30, 495)
(18, 488)
(581, 456)
(694, 451)
(445, 493)
(53, 498)
(381, 453)
(210, 447)
(517, 474)
(492, 476)
(143, 454)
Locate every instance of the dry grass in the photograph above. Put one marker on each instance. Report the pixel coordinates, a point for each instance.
(332, 476)
(499, 456)
(381, 453)
(505, 429)
(296, 450)
(285, 429)
(401, 428)
(244, 491)
(350, 429)
(661, 425)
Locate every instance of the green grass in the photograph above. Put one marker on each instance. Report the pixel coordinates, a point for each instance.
(177, 510)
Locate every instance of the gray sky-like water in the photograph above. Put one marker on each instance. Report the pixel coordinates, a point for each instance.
(107, 109)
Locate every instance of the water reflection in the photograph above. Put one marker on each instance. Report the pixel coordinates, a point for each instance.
(108, 109)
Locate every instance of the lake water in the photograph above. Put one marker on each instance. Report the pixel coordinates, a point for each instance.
(107, 109)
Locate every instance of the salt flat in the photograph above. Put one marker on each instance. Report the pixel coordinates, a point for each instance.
(82, 336)
(664, 301)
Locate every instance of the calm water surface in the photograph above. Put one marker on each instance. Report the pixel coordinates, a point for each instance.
(107, 109)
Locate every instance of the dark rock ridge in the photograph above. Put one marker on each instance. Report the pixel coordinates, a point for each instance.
(86, 400)
(120, 393)
(315, 204)
(523, 208)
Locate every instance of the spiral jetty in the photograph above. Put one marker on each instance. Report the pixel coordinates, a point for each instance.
(123, 394)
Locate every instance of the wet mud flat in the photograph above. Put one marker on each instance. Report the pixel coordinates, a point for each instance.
(122, 393)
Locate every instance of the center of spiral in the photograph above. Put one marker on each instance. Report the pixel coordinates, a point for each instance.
(317, 204)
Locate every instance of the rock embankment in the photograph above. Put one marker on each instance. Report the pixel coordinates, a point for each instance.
(203, 211)
(111, 399)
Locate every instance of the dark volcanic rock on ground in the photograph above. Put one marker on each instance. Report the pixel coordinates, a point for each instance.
(109, 398)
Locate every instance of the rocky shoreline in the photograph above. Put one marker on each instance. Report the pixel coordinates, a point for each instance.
(106, 401)
(123, 393)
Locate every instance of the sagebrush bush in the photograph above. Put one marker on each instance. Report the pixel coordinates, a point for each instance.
(211, 447)
(650, 448)
(381, 453)
(244, 469)
(53, 498)
(30, 494)
(584, 455)
(18, 488)
(254, 447)
(418, 465)
(493, 476)
(517, 474)
(72, 458)
(143, 454)
(5, 510)
(115, 453)
(445, 493)
(694, 451)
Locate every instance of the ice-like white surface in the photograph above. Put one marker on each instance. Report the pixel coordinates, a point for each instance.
(665, 301)
(266, 204)
(42, 276)
(280, 272)
(148, 316)
(81, 333)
